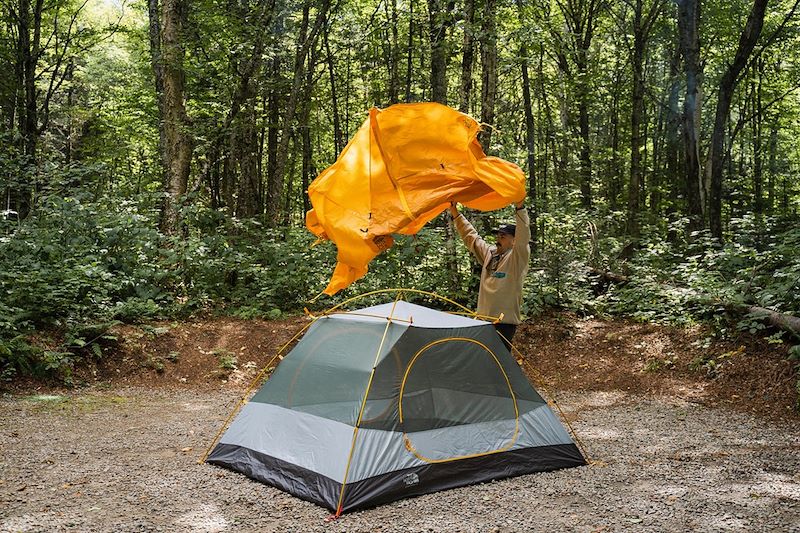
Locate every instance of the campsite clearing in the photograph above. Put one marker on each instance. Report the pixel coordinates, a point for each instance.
(121, 454)
(126, 460)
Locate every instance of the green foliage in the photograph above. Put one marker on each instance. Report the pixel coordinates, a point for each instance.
(79, 265)
(558, 275)
(713, 364)
(655, 364)
(794, 352)
(227, 360)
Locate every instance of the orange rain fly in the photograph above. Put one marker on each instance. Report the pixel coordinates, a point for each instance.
(401, 169)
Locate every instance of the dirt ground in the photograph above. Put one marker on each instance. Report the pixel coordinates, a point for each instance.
(683, 434)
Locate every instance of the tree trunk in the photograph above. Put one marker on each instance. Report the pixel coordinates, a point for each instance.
(688, 28)
(394, 57)
(642, 25)
(154, 34)
(409, 52)
(727, 86)
(245, 154)
(673, 122)
(440, 12)
(274, 101)
(338, 141)
(177, 142)
(488, 72)
(772, 177)
(308, 170)
(581, 19)
(530, 145)
(613, 186)
(467, 57)
(758, 174)
(637, 110)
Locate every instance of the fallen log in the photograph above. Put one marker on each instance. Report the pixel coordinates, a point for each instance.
(779, 320)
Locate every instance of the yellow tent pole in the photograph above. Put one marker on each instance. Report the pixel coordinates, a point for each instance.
(403, 290)
(363, 405)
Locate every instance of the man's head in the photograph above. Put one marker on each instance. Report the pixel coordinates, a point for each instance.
(505, 237)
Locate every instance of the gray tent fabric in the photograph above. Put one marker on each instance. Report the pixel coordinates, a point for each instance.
(393, 401)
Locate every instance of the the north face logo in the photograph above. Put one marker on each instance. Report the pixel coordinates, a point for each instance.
(410, 479)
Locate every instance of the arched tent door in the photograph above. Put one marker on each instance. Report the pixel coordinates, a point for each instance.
(456, 402)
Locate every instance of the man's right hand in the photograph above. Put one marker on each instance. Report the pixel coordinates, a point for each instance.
(453, 210)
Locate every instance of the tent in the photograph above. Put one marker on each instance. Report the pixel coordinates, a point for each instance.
(400, 170)
(393, 401)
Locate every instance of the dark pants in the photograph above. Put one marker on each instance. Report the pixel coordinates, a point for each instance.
(506, 332)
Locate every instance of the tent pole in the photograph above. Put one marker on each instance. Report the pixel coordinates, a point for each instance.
(363, 405)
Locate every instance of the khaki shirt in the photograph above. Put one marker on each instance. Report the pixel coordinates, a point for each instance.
(501, 286)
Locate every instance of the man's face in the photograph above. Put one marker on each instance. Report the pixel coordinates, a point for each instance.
(504, 241)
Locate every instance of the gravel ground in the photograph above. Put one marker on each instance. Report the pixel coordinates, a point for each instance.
(126, 461)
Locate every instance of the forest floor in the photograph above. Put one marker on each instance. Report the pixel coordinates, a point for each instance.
(685, 433)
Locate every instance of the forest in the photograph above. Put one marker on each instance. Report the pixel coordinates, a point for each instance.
(155, 157)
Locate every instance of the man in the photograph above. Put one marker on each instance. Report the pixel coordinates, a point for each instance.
(503, 268)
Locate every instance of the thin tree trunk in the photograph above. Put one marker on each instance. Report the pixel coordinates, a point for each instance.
(394, 57)
(305, 41)
(274, 102)
(758, 175)
(338, 142)
(467, 57)
(246, 150)
(772, 177)
(154, 33)
(673, 122)
(440, 12)
(642, 25)
(308, 170)
(409, 55)
(530, 144)
(637, 110)
(178, 144)
(488, 72)
(688, 28)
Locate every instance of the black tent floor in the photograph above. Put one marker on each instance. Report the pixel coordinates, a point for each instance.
(385, 488)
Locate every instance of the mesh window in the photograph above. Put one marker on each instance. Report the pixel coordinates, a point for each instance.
(455, 382)
(459, 379)
(327, 373)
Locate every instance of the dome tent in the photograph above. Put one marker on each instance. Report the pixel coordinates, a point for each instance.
(392, 401)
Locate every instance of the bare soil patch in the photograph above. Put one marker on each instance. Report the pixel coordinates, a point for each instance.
(582, 354)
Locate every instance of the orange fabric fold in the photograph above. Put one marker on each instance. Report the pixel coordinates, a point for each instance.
(399, 171)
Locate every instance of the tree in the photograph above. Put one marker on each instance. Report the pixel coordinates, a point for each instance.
(643, 20)
(440, 14)
(174, 120)
(573, 48)
(689, 32)
(727, 86)
(488, 71)
(306, 39)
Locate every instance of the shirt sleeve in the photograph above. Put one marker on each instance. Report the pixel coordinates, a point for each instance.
(522, 249)
(473, 241)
